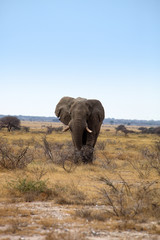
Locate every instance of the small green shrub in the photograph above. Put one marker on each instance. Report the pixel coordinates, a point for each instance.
(29, 189)
(24, 185)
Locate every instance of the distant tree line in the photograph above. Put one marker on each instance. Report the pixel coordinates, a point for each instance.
(111, 121)
(129, 122)
(144, 130)
(35, 118)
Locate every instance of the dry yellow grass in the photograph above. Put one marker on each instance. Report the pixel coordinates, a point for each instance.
(117, 158)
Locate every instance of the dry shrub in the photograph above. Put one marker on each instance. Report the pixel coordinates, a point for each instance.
(107, 162)
(153, 157)
(91, 215)
(130, 200)
(112, 142)
(14, 226)
(141, 166)
(19, 142)
(50, 150)
(12, 157)
(68, 194)
(49, 223)
(86, 154)
(150, 160)
(54, 151)
(100, 145)
(63, 154)
(66, 235)
(38, 171)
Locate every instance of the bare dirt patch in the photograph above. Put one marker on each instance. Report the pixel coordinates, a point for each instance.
(46, 220)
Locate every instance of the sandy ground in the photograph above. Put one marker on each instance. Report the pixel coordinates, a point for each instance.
(36, 220)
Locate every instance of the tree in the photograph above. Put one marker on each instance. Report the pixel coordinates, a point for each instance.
(111, 122)
(10, 123)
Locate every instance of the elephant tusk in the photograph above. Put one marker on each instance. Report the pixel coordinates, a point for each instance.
(66, 129)
(88, 130)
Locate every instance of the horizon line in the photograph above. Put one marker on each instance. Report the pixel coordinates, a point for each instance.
(126, 119)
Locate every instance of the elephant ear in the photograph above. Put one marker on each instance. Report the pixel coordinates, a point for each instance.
(62, 110)
(96, 110)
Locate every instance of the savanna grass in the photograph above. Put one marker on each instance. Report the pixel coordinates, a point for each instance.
(122, 177)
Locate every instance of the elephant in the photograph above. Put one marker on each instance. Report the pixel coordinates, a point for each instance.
(83, 118)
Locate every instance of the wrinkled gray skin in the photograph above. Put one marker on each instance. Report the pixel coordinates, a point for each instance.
(84, 119)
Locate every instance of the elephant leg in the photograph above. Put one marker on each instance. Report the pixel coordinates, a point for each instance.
(92, 139)
(87, 154)
(88, 149)
(77, 156)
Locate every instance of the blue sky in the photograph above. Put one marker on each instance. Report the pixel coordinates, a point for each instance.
(102, 49)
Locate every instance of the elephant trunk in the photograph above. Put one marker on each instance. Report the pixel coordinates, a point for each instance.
(77, 136)
(77, 130)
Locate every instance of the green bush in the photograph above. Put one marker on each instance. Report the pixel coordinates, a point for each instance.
(29, 190)
(24, 185)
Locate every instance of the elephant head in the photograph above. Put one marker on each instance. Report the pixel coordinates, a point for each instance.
(83, 117)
